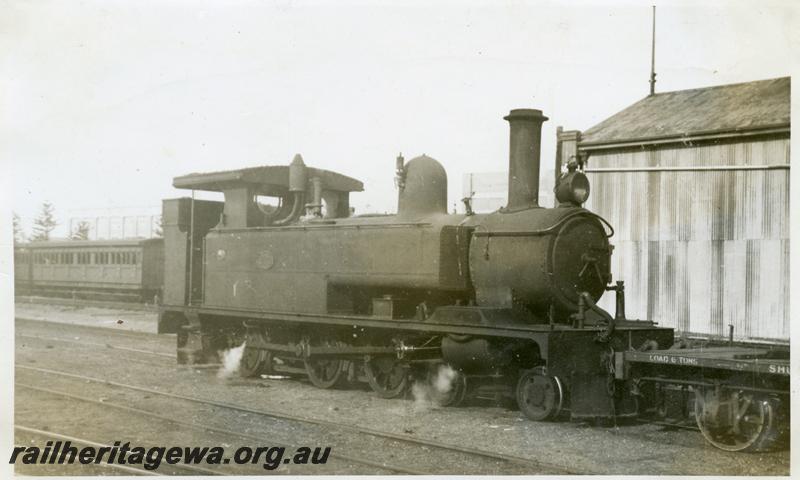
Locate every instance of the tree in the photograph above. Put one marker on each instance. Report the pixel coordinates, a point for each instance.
(158, 224)
(44, 223)
(19, 234)
(81, 231)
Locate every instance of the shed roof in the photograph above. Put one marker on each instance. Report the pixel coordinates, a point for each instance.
(723, 109)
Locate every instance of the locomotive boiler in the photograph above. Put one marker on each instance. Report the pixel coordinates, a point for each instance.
(504, 301)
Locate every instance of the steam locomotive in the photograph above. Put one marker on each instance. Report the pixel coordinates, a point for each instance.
(505, 302)
(507, 298)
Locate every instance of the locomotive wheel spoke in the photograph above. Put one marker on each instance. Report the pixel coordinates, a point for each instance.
(326, 372)
(539, 396)
(387, 376)
(736, 421)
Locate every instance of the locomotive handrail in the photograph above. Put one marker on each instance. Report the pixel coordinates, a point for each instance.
(544, 231)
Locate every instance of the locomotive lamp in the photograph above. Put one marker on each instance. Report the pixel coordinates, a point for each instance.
(573, 187)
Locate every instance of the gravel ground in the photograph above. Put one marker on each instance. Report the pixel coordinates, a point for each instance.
(132, 320)
(631, 449)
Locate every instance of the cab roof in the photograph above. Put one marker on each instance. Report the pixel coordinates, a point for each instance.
(265, 180)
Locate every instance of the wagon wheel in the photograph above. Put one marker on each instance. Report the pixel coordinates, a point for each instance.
(449, 390)
(539, 396)
(736, 420)
(326, 372)
(387, 376)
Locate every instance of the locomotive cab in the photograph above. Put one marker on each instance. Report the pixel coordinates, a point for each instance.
(299, 191)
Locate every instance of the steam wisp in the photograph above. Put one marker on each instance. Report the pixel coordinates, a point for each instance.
(231, 359)
(433, 390)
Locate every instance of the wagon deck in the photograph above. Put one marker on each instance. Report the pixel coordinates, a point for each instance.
(734, 359)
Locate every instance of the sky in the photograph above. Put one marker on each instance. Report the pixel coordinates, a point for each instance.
(103, 102)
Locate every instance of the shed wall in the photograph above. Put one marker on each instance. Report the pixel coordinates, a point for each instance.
(700, 250)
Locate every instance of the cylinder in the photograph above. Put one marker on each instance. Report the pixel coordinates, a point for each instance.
(524, 157)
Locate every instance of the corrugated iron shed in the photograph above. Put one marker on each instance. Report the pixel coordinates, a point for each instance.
(740, 107)
(702, 224)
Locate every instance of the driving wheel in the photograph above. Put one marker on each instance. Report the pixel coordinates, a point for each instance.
(539, 396)
(326, 372)
(387, 376)
(255, 361)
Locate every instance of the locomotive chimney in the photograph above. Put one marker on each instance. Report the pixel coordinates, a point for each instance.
(523, 159)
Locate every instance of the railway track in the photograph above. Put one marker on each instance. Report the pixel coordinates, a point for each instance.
(534, 465)
(196, 426)
(50, 435)
(278, 415)
(97, 344)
